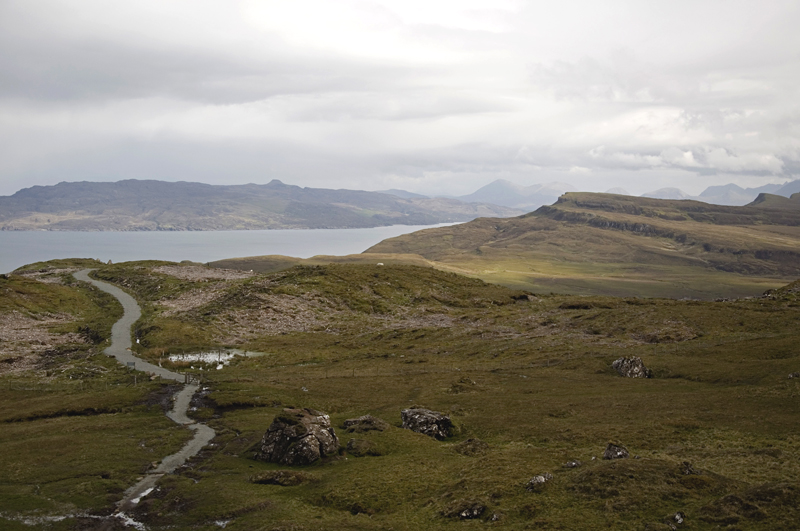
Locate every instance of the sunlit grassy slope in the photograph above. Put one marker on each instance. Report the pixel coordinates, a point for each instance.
(527, 374)
(620, 245)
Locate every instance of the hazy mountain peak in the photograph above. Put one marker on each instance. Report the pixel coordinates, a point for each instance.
(667, 193)
(618, 191)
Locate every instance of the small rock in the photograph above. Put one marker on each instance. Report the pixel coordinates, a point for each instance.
(687, 469)
(364, 423)
(298, 437)
(631, 368)
(794, 375)
(465, 509)
(614, 451)
(573, 463)
(427, 422)
(537, 482)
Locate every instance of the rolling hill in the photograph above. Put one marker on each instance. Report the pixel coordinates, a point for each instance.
(610, 244)
(135, 205)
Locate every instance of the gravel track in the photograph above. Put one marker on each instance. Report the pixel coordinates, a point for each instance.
(120, 348)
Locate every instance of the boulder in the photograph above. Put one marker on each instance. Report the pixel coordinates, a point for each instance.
(794, 375)
(427, 422)
(631, 368)
(572, 463)
(298, 437)
(365, 423)
(537, 482)
(614, 451)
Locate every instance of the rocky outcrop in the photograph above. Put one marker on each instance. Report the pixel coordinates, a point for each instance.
(364, 423)
(615, 451)
(425, 421)
(298, 437)
(631, 368)
(538, 482)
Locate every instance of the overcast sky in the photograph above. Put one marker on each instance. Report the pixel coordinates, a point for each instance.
(428, 96)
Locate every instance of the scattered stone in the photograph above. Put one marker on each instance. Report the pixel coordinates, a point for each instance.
(572, 463)
(365, 423)
(631, 368)
(362, 447)
(794, 375)
(298, 437)
(537, 482)
(676, 519)
(465, 510)
(614, 451)
(284, 478)
(471, 447)
(427, 422)
(687, 469)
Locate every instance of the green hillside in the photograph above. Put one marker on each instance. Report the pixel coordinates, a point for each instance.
(526, 378)
(622, 245)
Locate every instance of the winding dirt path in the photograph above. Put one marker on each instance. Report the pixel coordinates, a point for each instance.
(120, 349)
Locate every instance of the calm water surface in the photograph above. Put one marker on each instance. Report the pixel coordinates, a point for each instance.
(20, 248)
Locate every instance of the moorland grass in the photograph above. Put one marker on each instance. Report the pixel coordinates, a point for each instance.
(529, 375)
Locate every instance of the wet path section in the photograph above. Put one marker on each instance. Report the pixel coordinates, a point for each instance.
(120, 349)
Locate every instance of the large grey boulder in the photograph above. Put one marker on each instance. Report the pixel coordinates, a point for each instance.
(425, 421)
(631, 367)
(298, 437)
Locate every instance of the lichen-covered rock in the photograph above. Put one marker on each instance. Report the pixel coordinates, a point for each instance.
(298, 437)
(537, 482)
(365, 423)
(615, 451)
(631, 368)
(572, 463)
(425, 421)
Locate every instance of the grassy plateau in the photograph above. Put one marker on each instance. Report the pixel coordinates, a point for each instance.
(525, 376)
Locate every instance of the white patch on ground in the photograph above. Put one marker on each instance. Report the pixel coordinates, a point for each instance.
(127, 521)
(142, 495)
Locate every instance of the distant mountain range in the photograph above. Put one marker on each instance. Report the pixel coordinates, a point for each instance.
(729, 194)
(143, 205)
(506, 193)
